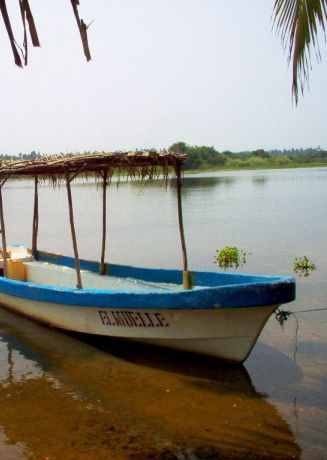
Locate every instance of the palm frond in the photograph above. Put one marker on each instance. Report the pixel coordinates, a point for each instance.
(14, 46)
(82, 29)
(297, 22)
(28, 19)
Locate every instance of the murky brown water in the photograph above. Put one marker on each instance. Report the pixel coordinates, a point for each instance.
(65, 398)
(75, 397)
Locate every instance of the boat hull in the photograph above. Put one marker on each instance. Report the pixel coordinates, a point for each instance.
(226, 333)
(221, 316)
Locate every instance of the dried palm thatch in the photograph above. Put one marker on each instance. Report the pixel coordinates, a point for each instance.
(298, 22)
(21, 55)
(144, 165)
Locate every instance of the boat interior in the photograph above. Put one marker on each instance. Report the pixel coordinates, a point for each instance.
(22, 266)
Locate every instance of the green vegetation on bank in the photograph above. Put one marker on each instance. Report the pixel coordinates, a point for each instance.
(208, 158)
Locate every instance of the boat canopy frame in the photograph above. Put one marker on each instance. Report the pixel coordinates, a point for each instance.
(145, 165)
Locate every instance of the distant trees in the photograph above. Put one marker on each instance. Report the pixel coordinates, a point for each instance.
(206, 157)
(260, 154)
(179, 147)
(199, 157)
(21, 156)
(316, 157)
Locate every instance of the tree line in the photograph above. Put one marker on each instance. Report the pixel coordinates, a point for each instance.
(207, 157)
(21, 156)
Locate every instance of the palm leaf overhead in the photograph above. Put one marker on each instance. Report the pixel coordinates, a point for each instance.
(298, 22)
(26, 15)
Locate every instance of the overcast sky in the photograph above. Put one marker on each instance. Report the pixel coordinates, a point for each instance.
(207, 72)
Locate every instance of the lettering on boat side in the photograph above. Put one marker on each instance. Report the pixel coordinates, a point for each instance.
(132, 319)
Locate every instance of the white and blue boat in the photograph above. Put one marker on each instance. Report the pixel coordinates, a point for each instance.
(212, 313)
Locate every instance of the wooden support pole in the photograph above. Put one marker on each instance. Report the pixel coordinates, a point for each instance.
(35, 217)
(104, 223)
(3, 234)
(72, 227)
(186, 274)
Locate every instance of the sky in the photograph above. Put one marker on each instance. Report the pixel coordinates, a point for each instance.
(206, 72)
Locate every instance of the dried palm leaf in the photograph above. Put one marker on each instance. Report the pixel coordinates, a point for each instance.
(82, 29)
(297, 22)
(6, 20)
(142, 165)
(27, 16)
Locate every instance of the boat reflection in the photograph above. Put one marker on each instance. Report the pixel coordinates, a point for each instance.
(95, 398)
(174, 361)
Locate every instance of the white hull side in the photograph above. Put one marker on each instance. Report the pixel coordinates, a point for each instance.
(227, 333)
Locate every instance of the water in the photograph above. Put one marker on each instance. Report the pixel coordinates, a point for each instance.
(66, 396)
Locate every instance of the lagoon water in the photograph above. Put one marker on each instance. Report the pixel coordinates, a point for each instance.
(75, 397)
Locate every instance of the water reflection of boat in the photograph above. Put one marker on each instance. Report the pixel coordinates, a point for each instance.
(12, 355)
(174, 361)
(117, 403)
(216, 314)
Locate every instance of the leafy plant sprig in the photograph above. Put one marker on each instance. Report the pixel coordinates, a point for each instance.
(302, 266)
(230, 257)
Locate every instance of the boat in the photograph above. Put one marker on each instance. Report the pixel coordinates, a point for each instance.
(211, 313)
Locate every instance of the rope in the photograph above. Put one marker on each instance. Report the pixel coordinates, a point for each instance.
(282, 316)
(306, 311)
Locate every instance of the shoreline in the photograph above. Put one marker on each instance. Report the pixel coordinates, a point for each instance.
(215, 170)
(254, 168)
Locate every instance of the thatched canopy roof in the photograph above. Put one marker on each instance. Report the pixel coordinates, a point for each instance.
(143, 165)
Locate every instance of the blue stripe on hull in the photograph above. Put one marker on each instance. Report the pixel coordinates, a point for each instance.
(220, 290)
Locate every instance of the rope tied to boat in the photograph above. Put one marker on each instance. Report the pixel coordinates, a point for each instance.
(283, 315)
